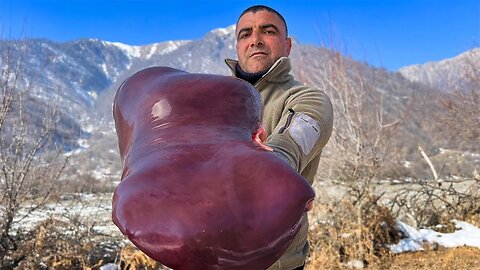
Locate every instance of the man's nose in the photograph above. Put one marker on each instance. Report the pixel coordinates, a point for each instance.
(256, 39)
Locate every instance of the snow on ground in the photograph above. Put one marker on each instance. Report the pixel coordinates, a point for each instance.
(96, 210)
(109, 266)
(93, 209)
(465, 235)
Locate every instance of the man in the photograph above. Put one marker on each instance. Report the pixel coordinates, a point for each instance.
(297, 118)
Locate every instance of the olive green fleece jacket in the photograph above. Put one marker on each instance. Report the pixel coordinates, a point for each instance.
(298, 120)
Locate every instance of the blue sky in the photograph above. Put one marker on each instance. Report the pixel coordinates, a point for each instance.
(389, 33)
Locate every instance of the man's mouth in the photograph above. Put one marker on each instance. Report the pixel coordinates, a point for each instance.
(257, 53)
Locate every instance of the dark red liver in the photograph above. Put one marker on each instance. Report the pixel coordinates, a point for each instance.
(197, 191)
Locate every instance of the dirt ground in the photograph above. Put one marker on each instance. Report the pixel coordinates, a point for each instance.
(467, 258)
(461, 258)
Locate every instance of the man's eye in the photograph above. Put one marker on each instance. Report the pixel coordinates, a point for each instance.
(270, 32)
(242, 36)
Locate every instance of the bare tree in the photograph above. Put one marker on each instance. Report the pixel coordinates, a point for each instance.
(30, 164)
(360, 153)
(361, 144)
(462, 111)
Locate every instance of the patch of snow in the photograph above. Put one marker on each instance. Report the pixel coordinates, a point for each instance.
(172, 46)
(109, 266)
(105, 229)
(470, 154)
(152, 51)
(83, 143)
(164, 48)
(104, 68)
(74, 152)
(408, 164)
(93, 94)
(465, 235)
(87, 196)
(89, 128)
(131, 51)
(101, 173)
(443, 150)
(225, 31)
(95, 208)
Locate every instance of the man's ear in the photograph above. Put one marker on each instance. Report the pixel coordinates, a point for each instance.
(289, 45)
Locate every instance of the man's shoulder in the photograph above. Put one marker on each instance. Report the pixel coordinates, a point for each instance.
(302, 88)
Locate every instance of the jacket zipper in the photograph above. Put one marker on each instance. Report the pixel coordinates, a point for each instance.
(289, 121)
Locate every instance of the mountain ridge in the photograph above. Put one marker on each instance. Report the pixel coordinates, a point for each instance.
(87, 73)
(445, 73)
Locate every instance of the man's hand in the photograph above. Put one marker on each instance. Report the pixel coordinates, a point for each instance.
(259, 138)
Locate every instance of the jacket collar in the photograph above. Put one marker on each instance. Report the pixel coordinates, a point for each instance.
(279, 72)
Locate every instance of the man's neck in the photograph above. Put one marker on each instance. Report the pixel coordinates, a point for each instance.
(249, 77)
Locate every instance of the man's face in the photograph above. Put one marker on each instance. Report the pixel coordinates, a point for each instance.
(261, 40)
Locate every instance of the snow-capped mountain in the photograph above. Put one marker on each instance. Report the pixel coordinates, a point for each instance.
(449, 74)
(81, 69)
(73, 75)
(83, 75)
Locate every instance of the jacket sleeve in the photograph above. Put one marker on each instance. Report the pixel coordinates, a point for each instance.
(304, 128)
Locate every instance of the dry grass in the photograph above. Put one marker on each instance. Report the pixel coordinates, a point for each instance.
(56, 244)
(441, 259)
(339, 242)
(462, 258)
(343, 233)
(132, 258)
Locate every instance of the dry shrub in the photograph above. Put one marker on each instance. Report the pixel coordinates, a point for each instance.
(474, 219)
(31, 157)
(428, 203)
(355, 230)
(346, 232)
(61, 245)
(86, 182)
(56, 244)
(132, 258)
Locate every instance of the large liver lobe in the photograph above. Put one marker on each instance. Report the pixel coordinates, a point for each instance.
(196, 191)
